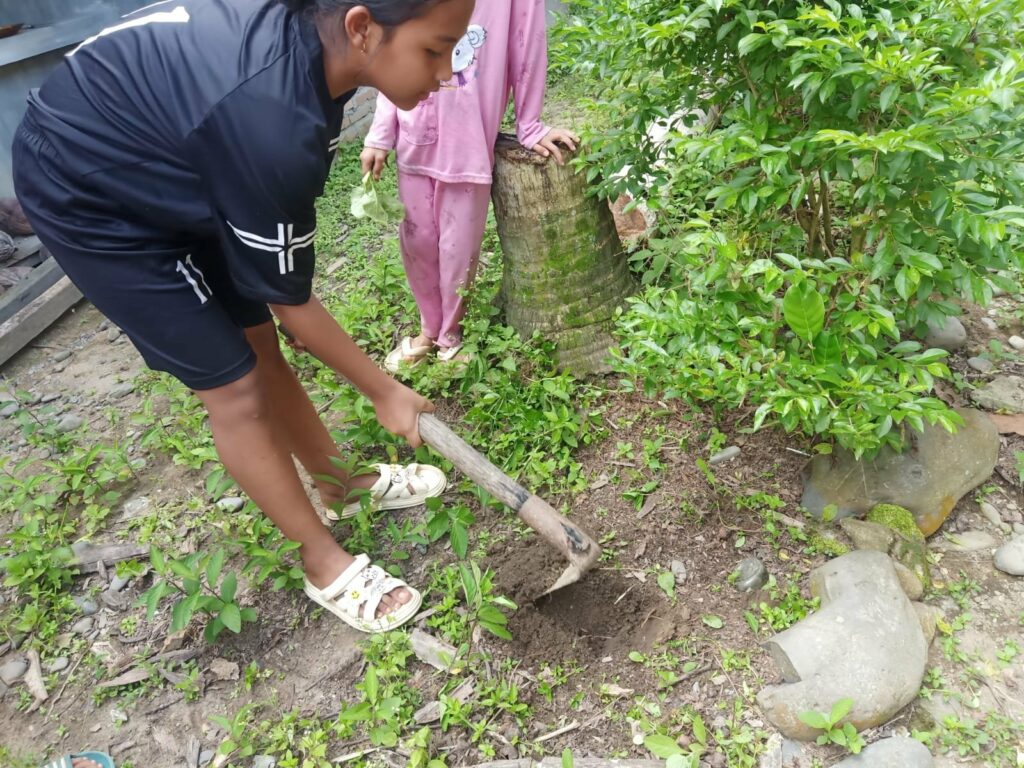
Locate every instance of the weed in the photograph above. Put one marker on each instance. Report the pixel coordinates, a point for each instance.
(833, 731)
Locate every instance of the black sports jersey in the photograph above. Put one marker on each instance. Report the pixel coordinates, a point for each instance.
(199, 118)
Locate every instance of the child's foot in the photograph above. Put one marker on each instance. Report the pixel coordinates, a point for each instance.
(365, 596)
(394, 487)
(453, 355)
(322, 574)
(409, 352)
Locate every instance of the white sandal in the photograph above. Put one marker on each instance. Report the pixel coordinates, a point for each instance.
(406, 354)
(453, 354)
(355, 595)
(398, 487)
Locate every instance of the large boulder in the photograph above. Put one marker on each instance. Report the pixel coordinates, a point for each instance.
(865, 643)
(928, 478)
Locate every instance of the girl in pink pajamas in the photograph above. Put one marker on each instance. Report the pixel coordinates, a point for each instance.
(445, 152)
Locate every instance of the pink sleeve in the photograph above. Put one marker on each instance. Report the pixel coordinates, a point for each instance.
(383, 132)
(528, 68)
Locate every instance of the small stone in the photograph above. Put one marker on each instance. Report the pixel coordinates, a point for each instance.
(990, 513)
(205, 757)
(981, 364)
(118, 583)
(223, 669)
(867, 535)
(113, 334)
(60, 367)
(725, 455)
(230, 504)
(118, 716)
(69, 423)
(136, 507)
(989, 323)
(61, 356)
(103, 325)
(750, 574)
(264, 761)
(50, 398)
(58, 665)
(911, 584)
(13, 670)
(1016, 342)
(122, 390)
(968, 541)
(86, 605)
(946, 333)
(1010, 557)
(678, 568)
(9, 410)
(1003, 393)
(83, 626)
(1018, 528)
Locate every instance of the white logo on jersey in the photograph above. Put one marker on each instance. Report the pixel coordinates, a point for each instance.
(178, 16)
(284, 246)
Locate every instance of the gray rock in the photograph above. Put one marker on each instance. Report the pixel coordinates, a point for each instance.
(894, 752)
(928, 478)
(947, 333)
(1010, 557)
(61, 356)
(725, 455)
(118, 716)
(989, 323)
(118, 583)
(864, 643)
(264, 761)
(86, 605)
(50, 398)
(206, 756)
(1016, 342)
(981, 364)
(912, 586)
(751, 574)
(230, 504)
(58, 665)
(83, 626)
(13, 670)
(9, 410)
(69, 423)
(1018, 529)
(678, 568)
(870, 536)
(928, 616)
(990, 513)
(967, 541)
(122, 390)
(136, 507)
(113, 334)
(1003, 393)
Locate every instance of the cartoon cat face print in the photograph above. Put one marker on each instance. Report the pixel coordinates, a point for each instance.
(465, 50)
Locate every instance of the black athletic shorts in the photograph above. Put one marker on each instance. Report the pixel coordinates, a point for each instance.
(175, 301)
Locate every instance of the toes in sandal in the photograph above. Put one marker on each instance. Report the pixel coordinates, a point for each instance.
(101, 759)
(356, 593)
(398, 487)
(406, 354)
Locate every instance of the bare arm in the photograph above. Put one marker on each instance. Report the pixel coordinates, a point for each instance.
(397, 406)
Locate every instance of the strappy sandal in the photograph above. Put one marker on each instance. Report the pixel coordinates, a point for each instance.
(398, 487)
(405, 354)
(355, 595)
(453, 355)
(101, 759)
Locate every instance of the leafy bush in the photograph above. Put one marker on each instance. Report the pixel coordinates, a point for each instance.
(857, 170)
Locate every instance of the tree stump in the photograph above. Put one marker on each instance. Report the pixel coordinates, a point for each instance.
(565, 272)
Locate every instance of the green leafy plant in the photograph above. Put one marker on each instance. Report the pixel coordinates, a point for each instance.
(483, 606)
(200, 585)
(858, 162)
(833, 731)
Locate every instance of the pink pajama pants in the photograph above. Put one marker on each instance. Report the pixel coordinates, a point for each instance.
(440, 239)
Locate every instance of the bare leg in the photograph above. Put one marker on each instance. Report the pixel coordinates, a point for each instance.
(249, 442)
(296, 419)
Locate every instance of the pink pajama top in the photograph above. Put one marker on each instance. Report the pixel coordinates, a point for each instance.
(451, 135)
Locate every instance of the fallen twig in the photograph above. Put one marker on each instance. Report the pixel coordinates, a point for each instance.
(558, 732)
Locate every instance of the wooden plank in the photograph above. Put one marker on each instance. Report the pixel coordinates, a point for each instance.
(19, 330)
(43, 277)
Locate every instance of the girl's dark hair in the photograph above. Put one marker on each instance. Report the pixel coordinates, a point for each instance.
(387, 13)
